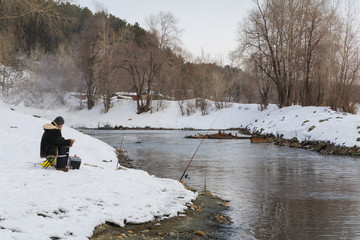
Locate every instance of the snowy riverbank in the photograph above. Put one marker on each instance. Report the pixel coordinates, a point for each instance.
(303, 123)
(41, 204)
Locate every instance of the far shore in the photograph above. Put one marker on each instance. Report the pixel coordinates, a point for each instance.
(322, 147)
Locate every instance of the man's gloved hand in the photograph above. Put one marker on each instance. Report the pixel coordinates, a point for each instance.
(72, 142)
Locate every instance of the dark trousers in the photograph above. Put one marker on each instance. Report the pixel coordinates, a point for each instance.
(63, 156)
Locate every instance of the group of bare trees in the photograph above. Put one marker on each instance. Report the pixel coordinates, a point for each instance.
(147, 62)
(16, 17)
(70, 49)
(99, 42)
(67, 48)
(293, 52)
(121, 56)
(307, 51)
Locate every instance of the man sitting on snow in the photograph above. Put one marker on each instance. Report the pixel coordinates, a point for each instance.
(54, 147)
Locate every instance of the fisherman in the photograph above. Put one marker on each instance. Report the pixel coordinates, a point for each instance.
(54, 147)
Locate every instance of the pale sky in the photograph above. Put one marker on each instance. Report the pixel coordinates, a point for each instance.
(208, 25)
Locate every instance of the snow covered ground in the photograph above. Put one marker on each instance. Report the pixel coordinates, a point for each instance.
(39, 204)
(295, 121)
(311, 123)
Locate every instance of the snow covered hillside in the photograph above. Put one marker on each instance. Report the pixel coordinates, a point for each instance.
(38, 203)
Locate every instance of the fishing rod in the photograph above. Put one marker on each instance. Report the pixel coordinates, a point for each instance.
(120, 149)
(122, 139)
(197, 149)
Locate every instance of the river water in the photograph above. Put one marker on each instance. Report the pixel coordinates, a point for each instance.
(275, 192)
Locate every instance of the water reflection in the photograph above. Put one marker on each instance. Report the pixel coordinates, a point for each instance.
(275, 192)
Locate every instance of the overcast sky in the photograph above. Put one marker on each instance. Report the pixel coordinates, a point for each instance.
(208, 25)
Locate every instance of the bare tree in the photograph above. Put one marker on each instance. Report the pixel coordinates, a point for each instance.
(142, 59)
(270, 32)
(145, 57)
(199, 79)
(264, 84)
(316, 16)
(5, 59)
(346, 64)
(165, 27)
(87, 58)
(108, 44)
(217, 81)
(170, 81)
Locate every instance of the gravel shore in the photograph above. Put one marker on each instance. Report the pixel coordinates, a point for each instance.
(204, 219)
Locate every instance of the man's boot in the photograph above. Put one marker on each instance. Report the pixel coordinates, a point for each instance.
(65, 169)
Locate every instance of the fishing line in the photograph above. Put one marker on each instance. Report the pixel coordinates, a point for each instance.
(197, 149)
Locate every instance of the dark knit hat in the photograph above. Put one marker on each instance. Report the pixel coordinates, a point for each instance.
(59, 121)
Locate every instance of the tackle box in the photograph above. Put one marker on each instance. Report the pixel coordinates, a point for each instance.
(74, 162)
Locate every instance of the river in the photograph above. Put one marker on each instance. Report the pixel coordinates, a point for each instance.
(275, 192)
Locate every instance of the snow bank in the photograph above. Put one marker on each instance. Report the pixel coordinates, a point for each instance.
(123, 113)
(311, 123)
(38, 203)
(295, 121)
